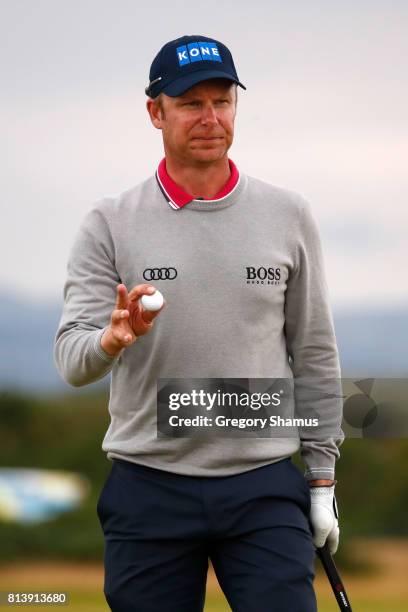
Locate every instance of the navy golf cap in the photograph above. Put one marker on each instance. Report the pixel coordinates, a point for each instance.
(184, 62)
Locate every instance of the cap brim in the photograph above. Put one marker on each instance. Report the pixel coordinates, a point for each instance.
(182, 84)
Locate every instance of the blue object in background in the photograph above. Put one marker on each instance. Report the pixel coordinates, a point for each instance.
(29, 495)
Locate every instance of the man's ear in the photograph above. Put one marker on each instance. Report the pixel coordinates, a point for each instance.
(155, 113)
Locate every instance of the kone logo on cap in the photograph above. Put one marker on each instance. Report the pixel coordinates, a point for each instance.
(197, 52)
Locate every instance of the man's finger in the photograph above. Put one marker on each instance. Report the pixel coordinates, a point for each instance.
(333, 539)
(149, 315)
(119, 315)
(319, 537)
(121, 296)
(137, 292)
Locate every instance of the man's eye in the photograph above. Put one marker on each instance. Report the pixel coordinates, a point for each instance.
(192, 103)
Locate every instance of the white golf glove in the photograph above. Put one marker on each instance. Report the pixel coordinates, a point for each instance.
(324, 517)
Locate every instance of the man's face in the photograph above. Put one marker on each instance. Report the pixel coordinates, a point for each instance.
(197, 126)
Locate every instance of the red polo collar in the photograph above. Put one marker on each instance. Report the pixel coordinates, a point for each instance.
(177, 197)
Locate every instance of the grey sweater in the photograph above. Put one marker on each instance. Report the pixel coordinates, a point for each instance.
(220, 319)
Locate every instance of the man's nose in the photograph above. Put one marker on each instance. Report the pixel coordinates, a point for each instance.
(208, 114)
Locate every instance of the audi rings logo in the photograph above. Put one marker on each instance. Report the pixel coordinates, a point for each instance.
(151, 274)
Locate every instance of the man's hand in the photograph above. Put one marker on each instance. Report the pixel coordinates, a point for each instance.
(324, 517)
(129, 320)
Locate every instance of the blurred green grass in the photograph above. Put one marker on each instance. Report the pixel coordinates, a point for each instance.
(94, 601)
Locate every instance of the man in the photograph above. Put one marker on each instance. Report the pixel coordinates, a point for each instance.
(240, 265)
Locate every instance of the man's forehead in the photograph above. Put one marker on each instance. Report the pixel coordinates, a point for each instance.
(210, 86)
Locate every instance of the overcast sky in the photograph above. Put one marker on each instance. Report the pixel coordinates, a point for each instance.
(324, 114)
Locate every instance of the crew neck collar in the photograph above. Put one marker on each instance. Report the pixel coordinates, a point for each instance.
(177, 198)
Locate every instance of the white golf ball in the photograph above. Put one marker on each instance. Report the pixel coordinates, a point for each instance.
(152, 302)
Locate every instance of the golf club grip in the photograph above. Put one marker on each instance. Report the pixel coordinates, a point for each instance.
(334, 577)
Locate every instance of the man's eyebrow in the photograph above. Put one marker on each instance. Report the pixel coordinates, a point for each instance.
(191, 98)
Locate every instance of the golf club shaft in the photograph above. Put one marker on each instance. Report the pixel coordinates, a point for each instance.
(334, 577)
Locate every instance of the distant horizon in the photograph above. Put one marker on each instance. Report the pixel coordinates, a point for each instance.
(371, 343)
(56, 297)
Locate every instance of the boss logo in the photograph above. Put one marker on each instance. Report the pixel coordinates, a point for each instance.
(197, 52)
(151, 274)
(269, 276)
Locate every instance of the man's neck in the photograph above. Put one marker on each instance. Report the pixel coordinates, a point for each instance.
(201, 180)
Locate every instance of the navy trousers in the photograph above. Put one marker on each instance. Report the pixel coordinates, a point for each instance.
(161, 529)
